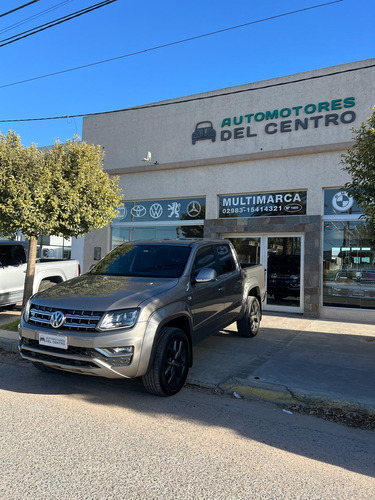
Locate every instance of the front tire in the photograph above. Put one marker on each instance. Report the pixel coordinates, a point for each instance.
(248, 325)
(169, 367)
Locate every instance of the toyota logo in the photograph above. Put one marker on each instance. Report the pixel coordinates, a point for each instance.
(57, 319)
(138, 211)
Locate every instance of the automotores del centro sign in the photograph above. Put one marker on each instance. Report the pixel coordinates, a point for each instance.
(302, 117)
(263, 204)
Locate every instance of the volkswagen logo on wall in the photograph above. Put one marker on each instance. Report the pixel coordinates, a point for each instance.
(57, 319)
(156, 210)
(342, 202)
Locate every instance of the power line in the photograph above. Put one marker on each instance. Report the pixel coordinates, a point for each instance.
(18, 8)
(51, 24)
(158, 47)
(192, 99)
(4, 30)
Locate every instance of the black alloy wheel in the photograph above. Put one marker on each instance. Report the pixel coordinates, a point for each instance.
(170, 366)
(248, 325)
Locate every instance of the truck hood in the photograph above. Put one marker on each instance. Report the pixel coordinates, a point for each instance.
(103, 293)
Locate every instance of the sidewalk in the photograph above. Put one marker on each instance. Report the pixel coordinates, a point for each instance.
(292, 360)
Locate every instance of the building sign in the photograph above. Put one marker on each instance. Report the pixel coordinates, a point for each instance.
(309, 116)
(338, 202)
(162, 210)
(263, 205)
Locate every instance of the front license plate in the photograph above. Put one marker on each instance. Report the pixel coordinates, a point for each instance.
(60, 341)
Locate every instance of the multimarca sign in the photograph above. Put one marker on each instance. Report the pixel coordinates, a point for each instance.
(263, 204)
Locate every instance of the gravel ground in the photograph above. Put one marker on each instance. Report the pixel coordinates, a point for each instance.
(350, 418)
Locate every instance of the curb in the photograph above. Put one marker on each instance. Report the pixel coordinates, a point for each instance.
(284, 395)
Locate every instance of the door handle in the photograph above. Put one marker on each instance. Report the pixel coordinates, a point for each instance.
(221, 289)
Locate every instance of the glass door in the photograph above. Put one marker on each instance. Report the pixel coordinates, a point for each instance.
(283, 264)
(282, 259)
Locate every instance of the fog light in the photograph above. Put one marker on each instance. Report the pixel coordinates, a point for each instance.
(122, 350)
(112, 352)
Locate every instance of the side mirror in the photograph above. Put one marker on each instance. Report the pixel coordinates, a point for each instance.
(206, 275)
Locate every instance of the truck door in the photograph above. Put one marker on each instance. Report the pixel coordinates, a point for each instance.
(230, 274)
(208, 299)
(12, 273)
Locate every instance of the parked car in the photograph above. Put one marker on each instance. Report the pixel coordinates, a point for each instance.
(351, 288)
(141, 309)
(13, 255)
(283, 276)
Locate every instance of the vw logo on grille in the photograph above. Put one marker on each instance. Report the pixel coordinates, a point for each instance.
(57, 319)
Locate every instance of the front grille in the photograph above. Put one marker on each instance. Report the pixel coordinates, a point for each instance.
(77, 320)
(73, 356)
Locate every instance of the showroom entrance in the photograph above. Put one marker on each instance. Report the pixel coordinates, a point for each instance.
(282, 258)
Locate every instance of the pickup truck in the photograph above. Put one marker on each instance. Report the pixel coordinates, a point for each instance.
(140, 311)
(13, 256)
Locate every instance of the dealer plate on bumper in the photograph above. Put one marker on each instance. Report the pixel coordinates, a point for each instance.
(60, 341)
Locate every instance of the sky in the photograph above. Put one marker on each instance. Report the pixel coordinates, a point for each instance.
(324, 36)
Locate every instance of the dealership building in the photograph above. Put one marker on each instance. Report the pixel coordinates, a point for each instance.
(258, 164)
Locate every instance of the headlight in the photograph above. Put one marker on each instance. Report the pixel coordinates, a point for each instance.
(118, 319)
(26, 311)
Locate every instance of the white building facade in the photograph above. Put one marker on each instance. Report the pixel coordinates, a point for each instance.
(258, 164)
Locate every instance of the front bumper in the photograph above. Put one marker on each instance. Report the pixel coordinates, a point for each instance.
(86, 352)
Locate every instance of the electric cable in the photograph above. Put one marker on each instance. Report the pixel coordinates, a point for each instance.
(192, 99)
(56, 22)
(170, 44)
(15, 25)
(18, 8)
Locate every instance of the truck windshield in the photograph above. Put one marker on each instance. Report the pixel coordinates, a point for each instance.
(154, 261)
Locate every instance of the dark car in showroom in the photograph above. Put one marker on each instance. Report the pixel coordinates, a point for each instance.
(283, 278)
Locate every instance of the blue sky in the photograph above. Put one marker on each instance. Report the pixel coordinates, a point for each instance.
(325, 36)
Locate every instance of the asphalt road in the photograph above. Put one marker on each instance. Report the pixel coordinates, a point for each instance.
(66, 436)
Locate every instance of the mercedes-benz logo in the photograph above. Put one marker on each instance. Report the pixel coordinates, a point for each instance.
(57, 319)
(194, 209)
(138, 211)
(156, 210)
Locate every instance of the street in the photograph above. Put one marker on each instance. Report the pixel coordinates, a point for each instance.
(74, 437)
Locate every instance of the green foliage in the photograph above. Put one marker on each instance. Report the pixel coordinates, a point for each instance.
(60, 191)
(12, 326)
(359, 162)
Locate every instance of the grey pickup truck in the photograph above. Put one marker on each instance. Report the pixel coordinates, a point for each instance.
(141, 309)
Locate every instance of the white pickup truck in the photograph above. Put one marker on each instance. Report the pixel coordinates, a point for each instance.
(13, 264)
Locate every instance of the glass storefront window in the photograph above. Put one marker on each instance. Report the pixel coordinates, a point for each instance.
(54, 247)
(248, 249)
(121, 234)
(348, 264)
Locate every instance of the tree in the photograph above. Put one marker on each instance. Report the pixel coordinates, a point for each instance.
(60, 191)
(359, 162)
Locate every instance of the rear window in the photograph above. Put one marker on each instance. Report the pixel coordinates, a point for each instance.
(154, 261)
(12, 255)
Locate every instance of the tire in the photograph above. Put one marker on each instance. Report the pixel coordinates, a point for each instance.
(44, 368)
(248, 325)
(45, 284)
(169, 367)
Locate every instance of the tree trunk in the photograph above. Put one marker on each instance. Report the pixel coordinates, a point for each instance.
(30, 271)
